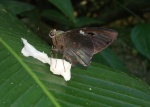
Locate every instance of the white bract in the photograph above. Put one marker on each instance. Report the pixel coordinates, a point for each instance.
(57, 66)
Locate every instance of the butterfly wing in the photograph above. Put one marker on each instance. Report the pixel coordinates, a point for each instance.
(101, 37)
(77, 48)
(81, 44)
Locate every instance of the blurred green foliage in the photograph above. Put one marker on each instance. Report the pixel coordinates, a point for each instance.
(140, 36)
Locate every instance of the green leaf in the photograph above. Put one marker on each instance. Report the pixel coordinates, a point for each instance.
(26, 81)
(140, 36)
(83, 21)
(109, 58)
(16, 7)
(65, 7)
(56, 16)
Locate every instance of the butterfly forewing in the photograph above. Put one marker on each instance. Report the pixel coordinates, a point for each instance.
(101, 37)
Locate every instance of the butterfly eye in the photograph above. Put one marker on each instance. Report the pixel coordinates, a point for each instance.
(52, 33)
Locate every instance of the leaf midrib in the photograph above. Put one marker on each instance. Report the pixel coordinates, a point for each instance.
(25, 66)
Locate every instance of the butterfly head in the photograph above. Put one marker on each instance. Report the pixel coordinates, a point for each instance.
(53, 33)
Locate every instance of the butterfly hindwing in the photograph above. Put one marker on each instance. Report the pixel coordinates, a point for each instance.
(77, 48)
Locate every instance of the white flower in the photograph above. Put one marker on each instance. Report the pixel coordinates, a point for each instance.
(57, 66)
(61, 67)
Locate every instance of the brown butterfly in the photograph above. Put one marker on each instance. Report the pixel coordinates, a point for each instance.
(79, 45)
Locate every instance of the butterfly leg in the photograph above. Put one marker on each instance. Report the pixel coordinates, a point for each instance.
(51, 55)
(64, 64)
(54, 51)
(56, 59)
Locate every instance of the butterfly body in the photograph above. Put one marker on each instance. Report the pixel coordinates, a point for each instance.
(79, 45)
